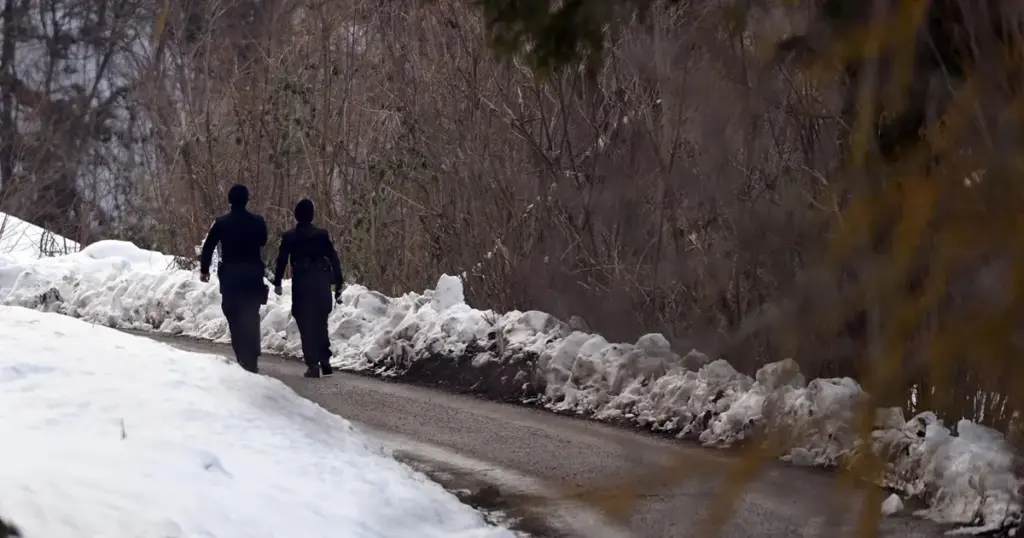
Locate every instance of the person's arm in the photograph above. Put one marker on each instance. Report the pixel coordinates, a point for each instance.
(332, 257)
(209, 245)
(283, 253)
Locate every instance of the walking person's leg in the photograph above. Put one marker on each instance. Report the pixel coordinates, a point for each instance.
(230, 307)
(308, 338)
(320, 310)
(251, 335)
(323, 340)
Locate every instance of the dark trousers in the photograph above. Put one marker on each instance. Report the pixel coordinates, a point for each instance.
(316, 344)
(243, 313)
(311, 306)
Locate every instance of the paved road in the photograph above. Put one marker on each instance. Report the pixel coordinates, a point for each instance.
(531, 455)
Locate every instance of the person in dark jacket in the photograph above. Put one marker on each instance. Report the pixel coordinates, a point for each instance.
(241, 236)
(315, 268)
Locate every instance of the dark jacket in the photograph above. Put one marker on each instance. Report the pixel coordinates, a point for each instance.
(312, 256)
(241, 235)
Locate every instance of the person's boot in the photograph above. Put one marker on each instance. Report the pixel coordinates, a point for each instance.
(325, 361)
(312, 372)
(249, 366)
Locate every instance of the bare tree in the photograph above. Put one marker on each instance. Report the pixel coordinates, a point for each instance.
(68, 72)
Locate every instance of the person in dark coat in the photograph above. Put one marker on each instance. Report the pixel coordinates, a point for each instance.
(241, 236)
(315, 268)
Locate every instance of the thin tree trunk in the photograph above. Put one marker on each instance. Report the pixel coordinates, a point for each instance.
(7, 127)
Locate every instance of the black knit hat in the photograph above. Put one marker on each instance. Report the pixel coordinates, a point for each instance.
(238, 196)
(304, 211)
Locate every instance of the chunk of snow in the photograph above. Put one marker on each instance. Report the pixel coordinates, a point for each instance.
(448, 293)
(892, 505)
(107, 434)
(654, 343)
(778, 374)
(972, 475)
(695, 360)
(890, 418)
(133, 255)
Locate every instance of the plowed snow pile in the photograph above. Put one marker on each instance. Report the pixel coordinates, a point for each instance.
(534, 358)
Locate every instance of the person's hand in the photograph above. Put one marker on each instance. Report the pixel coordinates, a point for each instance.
(278, 290)
(205, 277)
(337, 296)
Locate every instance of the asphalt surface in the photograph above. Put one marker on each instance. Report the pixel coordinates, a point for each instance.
(566, 470)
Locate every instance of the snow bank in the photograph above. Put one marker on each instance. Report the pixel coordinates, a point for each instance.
(106, 434)
(534, 358)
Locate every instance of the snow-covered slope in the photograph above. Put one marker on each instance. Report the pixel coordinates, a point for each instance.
(106, 434)
(20, 239)
(534, 358)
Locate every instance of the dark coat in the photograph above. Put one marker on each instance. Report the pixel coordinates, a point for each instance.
(241, 235)
(315, 267)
